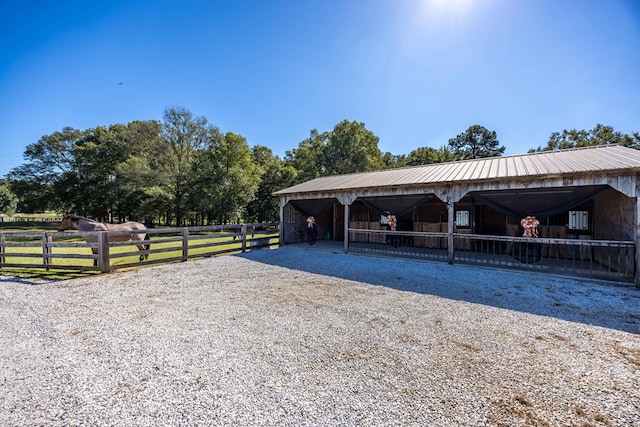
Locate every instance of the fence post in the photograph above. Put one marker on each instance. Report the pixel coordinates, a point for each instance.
(244, 238)
(185, 244)
(2, 252)
(103, 251)
(46, 250)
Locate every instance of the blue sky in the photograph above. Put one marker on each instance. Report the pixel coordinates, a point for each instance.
(416, 72)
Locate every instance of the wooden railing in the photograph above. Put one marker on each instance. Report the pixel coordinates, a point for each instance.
(70, 250)
(607, 259)
(19, 218)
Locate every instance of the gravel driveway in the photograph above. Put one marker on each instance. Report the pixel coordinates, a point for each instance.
(297, 336)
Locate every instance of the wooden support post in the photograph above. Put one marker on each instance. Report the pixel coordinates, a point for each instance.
(450, 217)
(334, 230)
(103, 252)
(185, 244)
(281, 227)
(346, 228)
(346, 200)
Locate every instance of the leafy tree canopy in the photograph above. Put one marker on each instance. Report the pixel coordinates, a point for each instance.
(75, 170)
(275, 175)
(8, 200)
(429, 155)
(599, 135)
(474, 143)
(308, 158)
(350, 147)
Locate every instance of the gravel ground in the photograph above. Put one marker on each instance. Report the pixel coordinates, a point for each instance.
(296, 337)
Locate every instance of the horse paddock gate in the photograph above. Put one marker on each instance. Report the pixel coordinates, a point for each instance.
(97, 251)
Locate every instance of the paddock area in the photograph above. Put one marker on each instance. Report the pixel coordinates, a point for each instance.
(305, 335)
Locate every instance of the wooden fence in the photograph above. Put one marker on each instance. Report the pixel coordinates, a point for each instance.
(18, 218)
(70, 251)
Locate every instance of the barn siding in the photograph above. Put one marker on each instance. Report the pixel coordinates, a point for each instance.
(613, 217)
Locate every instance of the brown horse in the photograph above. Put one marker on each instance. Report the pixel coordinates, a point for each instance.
(85, 224)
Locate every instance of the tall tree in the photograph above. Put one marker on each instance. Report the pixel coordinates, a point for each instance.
(392, 161)
(89, 187)
(178, 156)
(135, 188)
(77, 170)
(350, 148)
(275, 175)
(47, 162)
(33, 196)
(308, 158)
(50, 157)
(8, 200)
(599, 135)
(231, 179)
(474, 143)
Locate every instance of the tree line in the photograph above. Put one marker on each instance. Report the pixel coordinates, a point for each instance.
(184, 171)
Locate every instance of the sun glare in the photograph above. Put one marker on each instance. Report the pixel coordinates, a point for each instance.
(452, 5)
(437, 23)
(448, 7)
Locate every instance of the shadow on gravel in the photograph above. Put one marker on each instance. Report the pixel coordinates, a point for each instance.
(33, 279)
(601, 304)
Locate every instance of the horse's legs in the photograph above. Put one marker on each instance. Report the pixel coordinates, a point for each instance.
(137, 238)
(95, 260)
(142, 248)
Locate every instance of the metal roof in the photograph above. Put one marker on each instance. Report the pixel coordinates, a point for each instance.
(602, 158)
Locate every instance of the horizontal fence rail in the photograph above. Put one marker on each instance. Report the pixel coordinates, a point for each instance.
(7, 218)
(400, 243)
(86, 251)
(606, 259)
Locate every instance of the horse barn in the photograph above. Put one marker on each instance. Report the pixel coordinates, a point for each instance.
(574, 212)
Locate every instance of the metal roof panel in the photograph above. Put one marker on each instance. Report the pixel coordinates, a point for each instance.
(578, 160)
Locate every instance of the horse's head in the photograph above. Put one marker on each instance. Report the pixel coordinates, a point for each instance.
(68, 221)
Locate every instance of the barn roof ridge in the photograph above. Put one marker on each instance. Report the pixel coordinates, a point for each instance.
(479, 159)
(536, 163)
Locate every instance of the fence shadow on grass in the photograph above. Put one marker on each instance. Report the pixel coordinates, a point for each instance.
(615, 306)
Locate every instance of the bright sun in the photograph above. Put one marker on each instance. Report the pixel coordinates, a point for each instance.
(437, 24)
(454, 4)
(449, 6)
